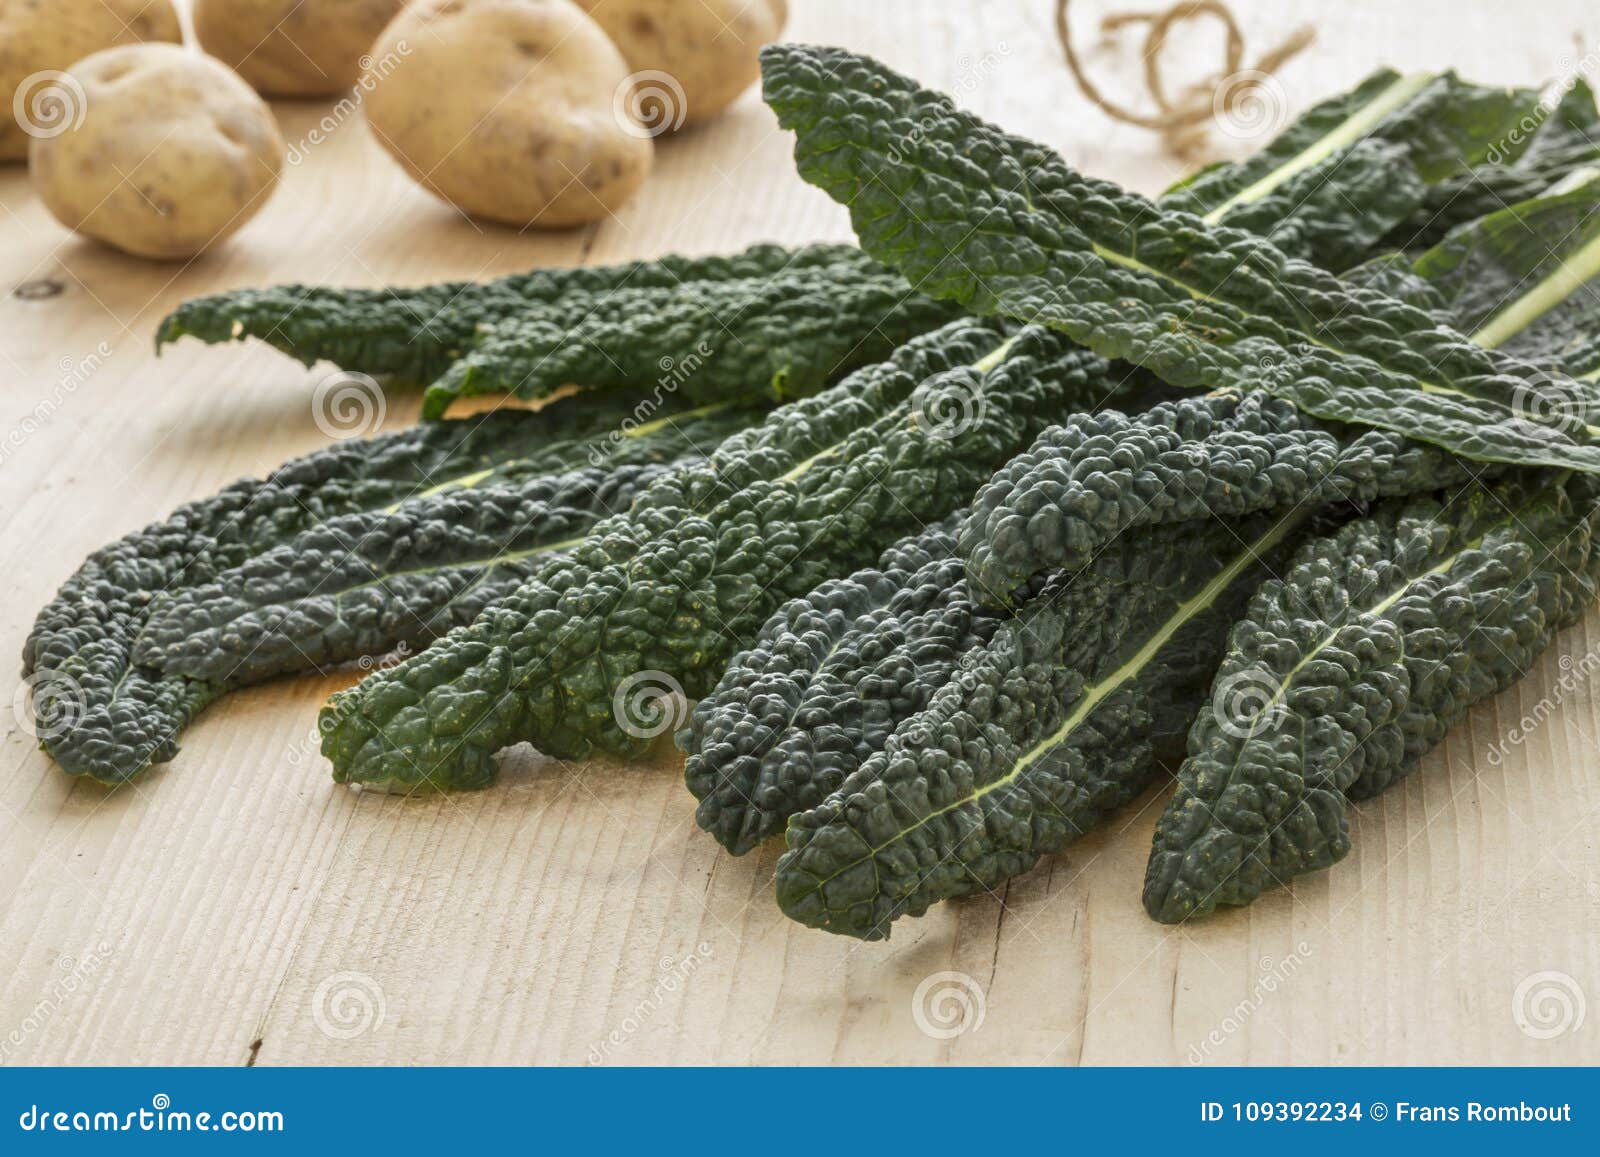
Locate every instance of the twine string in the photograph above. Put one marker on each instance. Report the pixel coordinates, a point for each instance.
(1182, 121)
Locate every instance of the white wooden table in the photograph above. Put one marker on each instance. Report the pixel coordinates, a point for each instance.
(236, 907)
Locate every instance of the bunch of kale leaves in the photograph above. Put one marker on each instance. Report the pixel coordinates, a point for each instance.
(958, 538)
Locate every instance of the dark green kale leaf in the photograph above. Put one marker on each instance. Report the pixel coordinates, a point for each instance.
(1357, 165)
(413, 335)
(756, 759)
(1526, 274)
(1551, 141)
(1005, 226)
(1343, 673)
(1336, 148)
(106, 714)
(833, 673)
(1391, 274)
(825, 683)
(1526, 279)
(1331, 223)
(367, 582)
(1098, 476)
(670, 591)
(787, 332)
(1053, 722)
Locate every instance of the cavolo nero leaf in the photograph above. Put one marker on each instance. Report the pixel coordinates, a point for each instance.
(786, 332)
(1003, 225)
(1390, 273)
(105, 712)
(368, 581)
(834, 672)
(1349, 668)
(1359, 164)
(671, 590)
(1341, 676)
(1053, 722)
(1561, 133)
(948, 806)
(950, 861)
(768, 320)
(1302, 158)
(1526, 279)
(825, 683)
(413, 334)
(1097, 476)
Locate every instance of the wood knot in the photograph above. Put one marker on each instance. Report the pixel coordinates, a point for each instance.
(38, 289)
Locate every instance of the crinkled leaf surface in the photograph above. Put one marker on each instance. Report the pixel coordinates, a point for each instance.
(1052, 723)
(1345, 671)
(1356, 166)
(414, 334)
(109, 713)
(785, 332)
(821, 688)
(1003, 225)
(1561, 133)
(673, 589)
(980, 855)
(1526, 279)
(1099, 476)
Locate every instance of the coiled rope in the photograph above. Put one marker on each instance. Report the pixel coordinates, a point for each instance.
(1183, 122)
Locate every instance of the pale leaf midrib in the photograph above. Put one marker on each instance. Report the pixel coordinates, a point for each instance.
(1352, 129)
(1101, 689)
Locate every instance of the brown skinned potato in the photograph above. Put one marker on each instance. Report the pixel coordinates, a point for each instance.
(43, 36)
(707, 50)
(509, 110)
(173, 154)
(293, 48)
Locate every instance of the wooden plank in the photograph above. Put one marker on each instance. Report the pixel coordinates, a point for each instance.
(236, 907)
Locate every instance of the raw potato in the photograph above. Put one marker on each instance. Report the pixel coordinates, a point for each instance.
(707, 49)
(44, 36)
(293, 47)
(509, 109)
(174, 152)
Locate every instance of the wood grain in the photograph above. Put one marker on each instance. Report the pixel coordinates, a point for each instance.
(236, 907)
